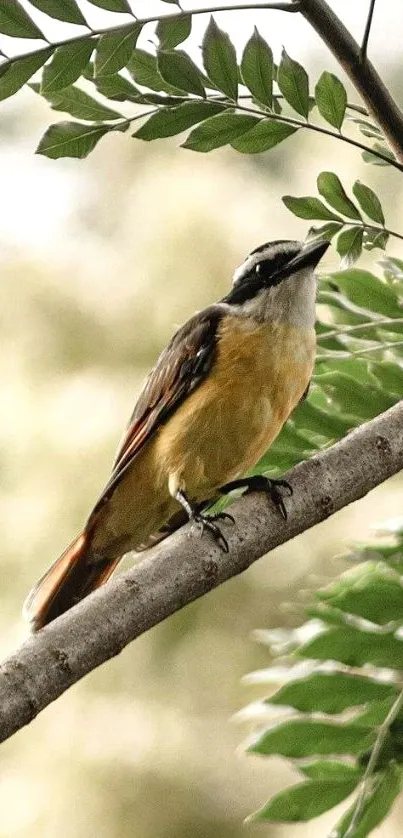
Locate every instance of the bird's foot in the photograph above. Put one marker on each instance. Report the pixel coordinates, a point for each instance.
(206, 522)
(274, 489)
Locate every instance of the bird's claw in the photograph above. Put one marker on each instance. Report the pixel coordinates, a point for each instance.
(275, 489)
(207, 522)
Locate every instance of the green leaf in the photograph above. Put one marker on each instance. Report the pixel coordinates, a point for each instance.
(369, 202)
(118, 88)
(219, 130)
(303, 738)
(355, 648)
(352, 397)
(369, 591)
(349, 245)
(390, 376)
(74, 101)
(115, 48)
(14, 21)
(331, 99)
(381, 148)
(293, 82)
(16, 74)
(310, 208)
(305, 800)
(368, 291)
(375, 238)
(170, 121)
(319, 421)
(385, 788)
(368, 129)
(143, 68)
(180, 71)
(219, 59)
(70, 139)
(173, 30)
(330, 692)
(67, 65)
(331, 189)
(257, 69)
(113, 5)
(326, 231)
(330, 769)
(266, 134)
(66, 10)
(374, 715)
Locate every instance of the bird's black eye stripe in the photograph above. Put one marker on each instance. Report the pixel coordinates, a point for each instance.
(245, 289)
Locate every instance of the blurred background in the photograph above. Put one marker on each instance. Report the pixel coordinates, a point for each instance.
(100, 261)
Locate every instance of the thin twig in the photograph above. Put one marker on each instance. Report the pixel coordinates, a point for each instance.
(372, 763)
(310, 126)
(96, 33)
(321, 130)
(363, 75)
(334, 355)
(364, 45)
(387, 321)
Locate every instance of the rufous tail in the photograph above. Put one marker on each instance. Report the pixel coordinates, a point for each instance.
(68, 580)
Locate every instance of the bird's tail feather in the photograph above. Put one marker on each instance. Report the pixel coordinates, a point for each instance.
(68, 580)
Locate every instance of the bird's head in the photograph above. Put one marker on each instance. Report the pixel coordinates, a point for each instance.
(277, 277)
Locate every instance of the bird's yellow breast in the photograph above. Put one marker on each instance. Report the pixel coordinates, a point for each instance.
(224, 427)
(218, 432)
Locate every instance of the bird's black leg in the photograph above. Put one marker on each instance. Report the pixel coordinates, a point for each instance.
(258, 483)
(205, 522)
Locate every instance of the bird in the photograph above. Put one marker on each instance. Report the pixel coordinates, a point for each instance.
(212, 405)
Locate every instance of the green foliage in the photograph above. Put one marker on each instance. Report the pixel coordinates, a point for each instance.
(293, 82)
(339, 708)
(66, 66)
(70, 139)
(65, 10)
(359, 366)
(331, 99)
(354, 232)
(15, 21)
(257, 69)
(16, 74)
(115, 48)
(219, 60)
(278, 97)
(172, 31)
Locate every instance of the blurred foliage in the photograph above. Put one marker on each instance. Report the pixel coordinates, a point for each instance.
(344, 708)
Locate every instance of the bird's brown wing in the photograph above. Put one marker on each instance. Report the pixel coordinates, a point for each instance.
(179, 370)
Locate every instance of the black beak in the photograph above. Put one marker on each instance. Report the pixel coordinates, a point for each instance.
(309, 256)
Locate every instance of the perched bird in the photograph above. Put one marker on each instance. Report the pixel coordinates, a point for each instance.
(216, 399)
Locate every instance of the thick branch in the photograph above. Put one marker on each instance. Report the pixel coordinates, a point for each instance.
(361, 72)
(186, 566)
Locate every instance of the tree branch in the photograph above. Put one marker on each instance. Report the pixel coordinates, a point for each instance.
(367, 30)
(362, 73)
(185, 566)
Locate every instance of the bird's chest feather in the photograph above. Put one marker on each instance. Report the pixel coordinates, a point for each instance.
(259, 375)
(264, 370)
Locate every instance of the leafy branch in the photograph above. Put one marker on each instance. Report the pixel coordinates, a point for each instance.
(343, 721)
(353, 232)
(174, 81)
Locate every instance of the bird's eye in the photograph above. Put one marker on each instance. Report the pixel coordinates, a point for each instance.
(257, 269)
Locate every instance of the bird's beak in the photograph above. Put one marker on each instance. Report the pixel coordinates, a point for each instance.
(309, 256)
